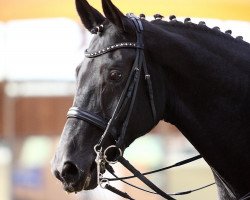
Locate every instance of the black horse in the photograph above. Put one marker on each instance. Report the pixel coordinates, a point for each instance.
(200, 79)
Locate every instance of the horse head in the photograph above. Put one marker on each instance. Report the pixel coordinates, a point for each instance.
(101, 79)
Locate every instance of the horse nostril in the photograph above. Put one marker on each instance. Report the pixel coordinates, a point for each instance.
(70, 172)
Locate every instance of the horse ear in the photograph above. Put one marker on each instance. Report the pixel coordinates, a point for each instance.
(114, 15)
(90, 17)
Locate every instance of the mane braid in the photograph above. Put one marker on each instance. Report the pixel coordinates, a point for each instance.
(190, 25)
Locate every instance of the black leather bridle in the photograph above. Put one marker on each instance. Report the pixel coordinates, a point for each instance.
(129, 93)
(127, 100)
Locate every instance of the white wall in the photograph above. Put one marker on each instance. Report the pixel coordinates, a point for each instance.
(43, 49)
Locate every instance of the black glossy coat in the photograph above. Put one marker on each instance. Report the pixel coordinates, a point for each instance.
(201, 83)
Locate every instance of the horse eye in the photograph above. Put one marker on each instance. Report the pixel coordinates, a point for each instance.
(115, 75)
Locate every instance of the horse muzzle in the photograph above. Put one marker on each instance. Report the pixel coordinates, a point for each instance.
(74, 179)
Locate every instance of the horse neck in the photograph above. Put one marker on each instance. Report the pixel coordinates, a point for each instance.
(206, 87)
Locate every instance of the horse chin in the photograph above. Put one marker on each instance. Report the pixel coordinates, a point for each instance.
(90, 182)
(72, 187)
(87, 183)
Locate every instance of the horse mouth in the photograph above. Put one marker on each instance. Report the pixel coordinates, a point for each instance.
(86, 181)
(78, 186)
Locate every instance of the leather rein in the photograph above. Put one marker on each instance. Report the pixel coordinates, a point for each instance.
(127, 100)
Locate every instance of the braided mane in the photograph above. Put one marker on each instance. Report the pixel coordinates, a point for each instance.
(201, 26)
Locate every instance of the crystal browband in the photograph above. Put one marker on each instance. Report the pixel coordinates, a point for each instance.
(111, 48)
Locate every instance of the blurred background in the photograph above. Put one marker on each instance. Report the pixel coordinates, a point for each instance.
(41, 43)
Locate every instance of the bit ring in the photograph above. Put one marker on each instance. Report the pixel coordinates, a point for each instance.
(105, 154)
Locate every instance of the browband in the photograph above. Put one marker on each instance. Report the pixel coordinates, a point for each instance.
(111, 48)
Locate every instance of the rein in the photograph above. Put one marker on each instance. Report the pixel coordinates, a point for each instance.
(127, 99)
(141, 176)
